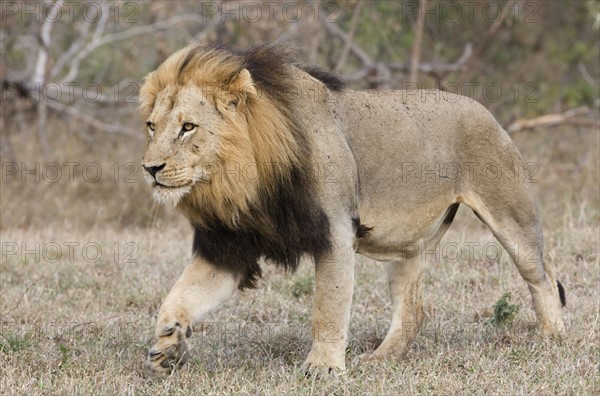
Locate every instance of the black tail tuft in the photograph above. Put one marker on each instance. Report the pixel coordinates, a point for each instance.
(561, 294)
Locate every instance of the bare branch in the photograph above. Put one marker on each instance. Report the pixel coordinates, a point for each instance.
(586, 74)
(75, 47)
(493, 29)
(547, 120)
(336, 31)
(136, 31)
(353, 22)
(39, 72)
(437, 69)
(381, 69)
(416, 49)
(86, 118)
(101, 24)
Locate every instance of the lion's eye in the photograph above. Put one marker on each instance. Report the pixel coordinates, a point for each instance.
(187, 127)
(151, 126)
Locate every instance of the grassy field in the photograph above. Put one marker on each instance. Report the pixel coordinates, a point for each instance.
(78, 309)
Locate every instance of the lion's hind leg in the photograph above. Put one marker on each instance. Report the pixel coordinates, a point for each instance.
(512, 215)
(404, 278)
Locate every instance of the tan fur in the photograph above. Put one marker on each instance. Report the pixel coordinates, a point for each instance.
(362, 147)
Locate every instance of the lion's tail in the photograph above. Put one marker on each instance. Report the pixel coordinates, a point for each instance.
(561, 294)
(548, 268)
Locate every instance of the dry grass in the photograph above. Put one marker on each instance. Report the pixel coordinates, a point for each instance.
(80, 327)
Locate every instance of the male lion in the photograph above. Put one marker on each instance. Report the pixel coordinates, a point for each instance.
(271, 160)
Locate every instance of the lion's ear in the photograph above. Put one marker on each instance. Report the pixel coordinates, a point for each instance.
(243, 84)
(237, 91)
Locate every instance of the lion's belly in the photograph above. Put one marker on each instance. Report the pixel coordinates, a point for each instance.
(400, 232)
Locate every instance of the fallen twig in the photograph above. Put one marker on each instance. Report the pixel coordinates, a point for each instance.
(546, 120)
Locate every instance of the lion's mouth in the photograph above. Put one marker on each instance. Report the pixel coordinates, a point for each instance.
(164, 186)
(171, 195)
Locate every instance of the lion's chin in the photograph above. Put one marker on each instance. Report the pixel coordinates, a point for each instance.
(170, 196)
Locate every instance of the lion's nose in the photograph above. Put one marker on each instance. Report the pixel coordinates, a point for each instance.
(153, 170)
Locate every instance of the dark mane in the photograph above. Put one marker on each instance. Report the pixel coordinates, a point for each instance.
(332, 81)
(264, 62)
(289, 221)
(267, 64)
(286, 226)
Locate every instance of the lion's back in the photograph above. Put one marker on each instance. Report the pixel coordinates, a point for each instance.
(386, 129)
(393, 119)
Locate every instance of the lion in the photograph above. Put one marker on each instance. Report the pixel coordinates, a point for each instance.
(273, 161)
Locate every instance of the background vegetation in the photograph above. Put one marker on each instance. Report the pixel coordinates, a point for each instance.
(77, 324)
(522, 59)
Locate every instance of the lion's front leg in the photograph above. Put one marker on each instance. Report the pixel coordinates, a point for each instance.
(200, 289)
(331, 310)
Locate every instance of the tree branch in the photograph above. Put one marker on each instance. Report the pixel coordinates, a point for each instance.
(349, 39)
(547, 120)
(586, 74)
(39, 72)
(437, 69)
(381, 68)
(492, 30)
(84, 33)
(336, 31)
(416, 49)
(96, 123)
(136, 31)
(101, 24)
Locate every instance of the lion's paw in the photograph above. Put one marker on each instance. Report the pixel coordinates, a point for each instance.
(171, 350)
(318, 366)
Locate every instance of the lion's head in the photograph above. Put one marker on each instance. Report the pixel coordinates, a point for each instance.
(215, 135)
